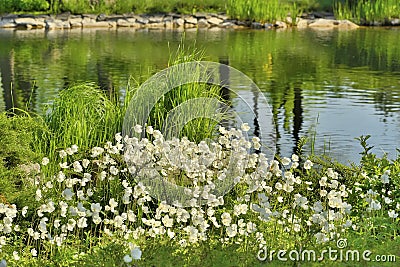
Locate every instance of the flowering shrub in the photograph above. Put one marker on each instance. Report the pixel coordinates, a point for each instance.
(105, 194)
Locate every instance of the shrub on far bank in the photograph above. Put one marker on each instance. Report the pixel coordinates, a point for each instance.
(23, 5)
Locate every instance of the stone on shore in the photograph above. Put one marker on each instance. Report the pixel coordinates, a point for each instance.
(214, 21)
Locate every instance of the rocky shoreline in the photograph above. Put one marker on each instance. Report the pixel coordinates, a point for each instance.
(168, 21)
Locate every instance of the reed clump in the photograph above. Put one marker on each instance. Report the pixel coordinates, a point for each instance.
(368, 12)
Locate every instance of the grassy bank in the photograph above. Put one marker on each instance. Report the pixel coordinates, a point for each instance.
(359, 11)
(70, 193)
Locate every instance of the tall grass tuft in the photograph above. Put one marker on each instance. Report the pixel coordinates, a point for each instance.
(265, 11)
(367, 12)
(199, 128)
(82, 115)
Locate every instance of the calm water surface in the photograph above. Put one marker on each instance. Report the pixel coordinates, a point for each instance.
(331, 85)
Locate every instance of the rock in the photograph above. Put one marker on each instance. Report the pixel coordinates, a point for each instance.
(75, 17)
(168, 22)
(10, 16)
(66, 25)
(76, 23)
(200, 15)
(155, 19)
(63, 16)
(280, 24)
(114, 18)
(203, 23)
(123, 23)
(243, 23)
(256, 25)
(191, 20)
(29, 23)
(89, 22)
(395, 22)
(113, 24)
(228, 24)
(347, 24)
(89, 16)
(302, 23)
(268, 26)
(215, 21)
(323, 23)
(142, 20)
(155, 25)
(179, 22)
(222, 16)
(54, 24)
(7, 23)
(101, 17)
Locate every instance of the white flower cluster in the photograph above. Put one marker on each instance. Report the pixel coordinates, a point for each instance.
(104, 194)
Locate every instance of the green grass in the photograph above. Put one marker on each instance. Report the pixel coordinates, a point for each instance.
(368, 12)
(262, 11)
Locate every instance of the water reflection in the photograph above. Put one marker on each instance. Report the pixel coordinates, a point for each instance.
(340, 84)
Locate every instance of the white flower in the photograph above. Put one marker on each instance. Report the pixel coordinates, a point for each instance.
(231, 231)
(167, 221)
(67, 194)
(77, 166)
(308, 164)
(24, 211)
(245, 127)
(321, 238)
(95, 207)
(114, 170)
(240, 209)
(323, 181)
(385, 177)
(127, 259)
(295, 158)
(74, 148)
(62, 153)
(82, 222)
(285, 161)
(96, 151)
(375, 205)
(226, 219)
(15, 255)
(38, 195)
(137, 128)
(392, 214)
(300, 201)
(45, 161)
(136, 253)
(85, 163)
(71, 224)
(34, 252)
(113, 204)
(64, 165)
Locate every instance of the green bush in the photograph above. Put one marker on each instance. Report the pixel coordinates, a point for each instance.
(32, 5)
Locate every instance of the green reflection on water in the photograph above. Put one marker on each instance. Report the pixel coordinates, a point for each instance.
(301, 72)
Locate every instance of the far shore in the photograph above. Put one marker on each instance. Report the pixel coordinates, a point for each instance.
(164, 21)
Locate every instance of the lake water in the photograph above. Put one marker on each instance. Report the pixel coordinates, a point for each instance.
(329, 85)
